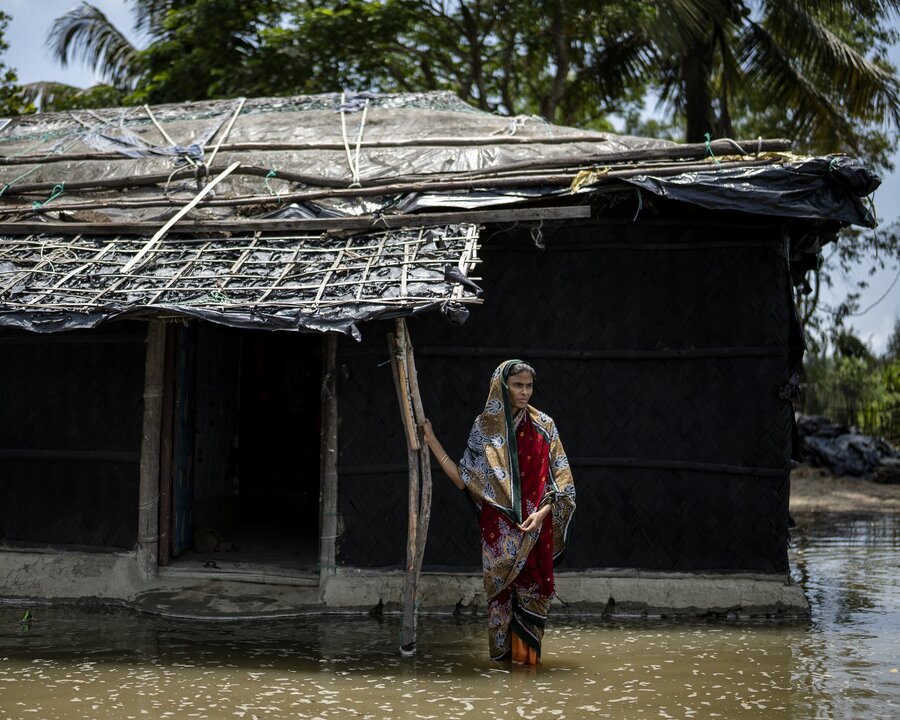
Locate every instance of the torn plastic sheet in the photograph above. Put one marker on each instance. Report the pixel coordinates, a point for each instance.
(134, 146)
(474, 199)
(345, 319)
(818, 188)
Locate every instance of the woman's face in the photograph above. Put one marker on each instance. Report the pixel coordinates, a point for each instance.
(521, 386)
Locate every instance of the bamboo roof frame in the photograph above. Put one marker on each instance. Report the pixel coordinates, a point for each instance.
(257, 272)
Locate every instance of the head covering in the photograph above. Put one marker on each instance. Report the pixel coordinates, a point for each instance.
(490, 464)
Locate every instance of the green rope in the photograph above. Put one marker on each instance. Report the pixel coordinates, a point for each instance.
(58, 190)
(272, 173)
(12, 182)
(709, 150)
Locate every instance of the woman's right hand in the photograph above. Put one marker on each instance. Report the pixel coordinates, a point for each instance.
(427, 430)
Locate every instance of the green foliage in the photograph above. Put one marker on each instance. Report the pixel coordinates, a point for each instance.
(59, 97)
(853, 386)
(872, 250)
(568, 61)
(11, 100)
(893, 343)
(206, 49)
(813, 71)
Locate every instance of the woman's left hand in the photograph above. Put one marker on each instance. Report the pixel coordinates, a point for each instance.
(534, 521)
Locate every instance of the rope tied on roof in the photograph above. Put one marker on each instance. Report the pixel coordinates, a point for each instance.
(353, 164)
(709, 150)
(237, 111)
(272, 173)
(57, 190)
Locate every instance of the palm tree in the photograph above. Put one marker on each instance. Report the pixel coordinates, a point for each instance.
(802, 57)
(85, 34)
(198, 48)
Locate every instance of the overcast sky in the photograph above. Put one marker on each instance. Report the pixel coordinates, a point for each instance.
(28, 56)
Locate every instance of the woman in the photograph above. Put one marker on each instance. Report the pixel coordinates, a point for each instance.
(517, 473)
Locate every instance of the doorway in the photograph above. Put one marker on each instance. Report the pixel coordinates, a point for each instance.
(248, 499)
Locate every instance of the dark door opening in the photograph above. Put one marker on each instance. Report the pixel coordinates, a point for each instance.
(278, 458)
(254, 495)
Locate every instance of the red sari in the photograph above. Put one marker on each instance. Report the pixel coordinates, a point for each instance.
(512, 466)
(521, 606)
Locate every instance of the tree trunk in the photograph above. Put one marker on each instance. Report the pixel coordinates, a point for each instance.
(696, 70)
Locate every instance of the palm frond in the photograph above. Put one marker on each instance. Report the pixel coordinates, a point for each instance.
(773, 72)
(86, 34)
(679, 24)
(150, 15)
(865, 88)
(869, 8)
(621, 64)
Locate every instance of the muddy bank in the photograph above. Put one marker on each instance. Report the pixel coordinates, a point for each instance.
(815, 489)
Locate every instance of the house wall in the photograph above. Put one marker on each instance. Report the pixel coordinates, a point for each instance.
(70, 434)
(661, 348)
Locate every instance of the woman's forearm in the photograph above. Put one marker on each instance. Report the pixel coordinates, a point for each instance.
(447, 465)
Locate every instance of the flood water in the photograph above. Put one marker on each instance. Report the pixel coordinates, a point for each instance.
(843, 664)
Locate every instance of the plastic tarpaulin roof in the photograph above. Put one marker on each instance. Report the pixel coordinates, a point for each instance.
(814, 188)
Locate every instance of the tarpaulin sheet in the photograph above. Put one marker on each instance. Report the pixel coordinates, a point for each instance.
(816, 188)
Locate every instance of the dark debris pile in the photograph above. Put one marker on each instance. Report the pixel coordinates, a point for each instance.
(847, 452)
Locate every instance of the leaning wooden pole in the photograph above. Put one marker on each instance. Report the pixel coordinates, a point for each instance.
(148, 494)
(397, 350)
(424, 453)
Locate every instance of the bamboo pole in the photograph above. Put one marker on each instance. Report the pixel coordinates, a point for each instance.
(559, 173)
(328, 461)
(720, 147)
(408, 627)
(424, 453)
(406, 408)
(177, 216)
(147, 554)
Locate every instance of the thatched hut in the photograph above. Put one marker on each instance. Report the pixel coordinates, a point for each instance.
(196, 383)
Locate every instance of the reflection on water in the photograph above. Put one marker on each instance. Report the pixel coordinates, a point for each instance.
(78, 664)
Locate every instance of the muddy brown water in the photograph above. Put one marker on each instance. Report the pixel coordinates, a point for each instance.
(842, 664)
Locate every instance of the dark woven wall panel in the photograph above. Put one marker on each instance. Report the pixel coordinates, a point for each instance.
(70, 433)
(584, 290)
(72, 392)
(678, 521)
(645, 354)
(62, 503)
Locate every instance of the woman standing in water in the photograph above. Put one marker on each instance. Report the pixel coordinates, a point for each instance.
(516, 471)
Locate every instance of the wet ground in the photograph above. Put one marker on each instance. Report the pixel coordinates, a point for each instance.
(843, 664)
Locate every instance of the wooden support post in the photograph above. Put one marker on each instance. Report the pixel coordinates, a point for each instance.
(148, 494)
(328, 461)
(418, 459)
(424, 454)
(167, 448)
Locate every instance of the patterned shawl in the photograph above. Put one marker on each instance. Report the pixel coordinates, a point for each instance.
(490, 464)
